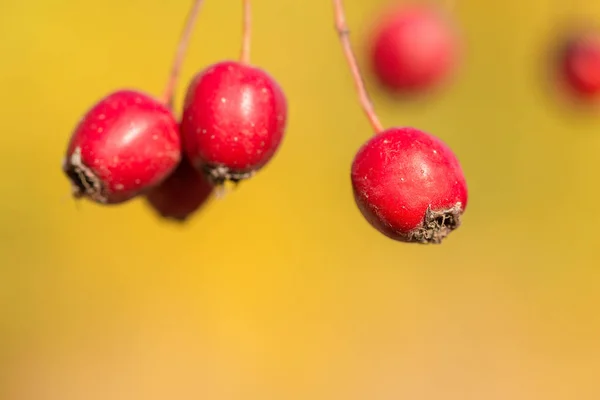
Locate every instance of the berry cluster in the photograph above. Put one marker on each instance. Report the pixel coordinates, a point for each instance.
(130, 144)
(407, 183)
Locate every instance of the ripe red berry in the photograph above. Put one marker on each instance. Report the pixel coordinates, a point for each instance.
(580, 65)
(125, 144)
(233, 121)
(413, 48)
(181, 194)
(409, 185)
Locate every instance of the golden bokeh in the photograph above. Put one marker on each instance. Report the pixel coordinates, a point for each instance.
(281, 290)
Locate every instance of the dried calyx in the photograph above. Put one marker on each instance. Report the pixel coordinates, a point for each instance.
(437, 225)
(219, 174)
(84, 183)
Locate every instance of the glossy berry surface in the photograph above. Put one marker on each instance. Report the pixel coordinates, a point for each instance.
(409, 185)
(125, 144)
(233, 121)
(183, 193)
(413, 48)
(580, 64)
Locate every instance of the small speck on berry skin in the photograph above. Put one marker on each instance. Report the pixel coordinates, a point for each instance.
(407, 191)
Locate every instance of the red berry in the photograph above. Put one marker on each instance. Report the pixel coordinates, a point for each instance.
(580, 64)
(409, 185)
(181, 194)
(233, 120)
(127, 143)
(413, 48)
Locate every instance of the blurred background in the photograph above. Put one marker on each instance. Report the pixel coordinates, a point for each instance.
(281, 290)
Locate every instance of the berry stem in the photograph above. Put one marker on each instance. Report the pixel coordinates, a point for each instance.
(246, 32)
(182, 46)
(344, 34)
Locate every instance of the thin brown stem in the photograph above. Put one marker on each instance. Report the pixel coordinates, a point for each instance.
(246, 32)
(344, 34)
(184, 40)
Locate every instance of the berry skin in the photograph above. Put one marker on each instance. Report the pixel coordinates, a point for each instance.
(125, 144)
(233, 121)
(409, 185)
(580, 65)
(413, 48)
(181, 194)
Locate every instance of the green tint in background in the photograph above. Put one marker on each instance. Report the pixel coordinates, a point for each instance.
(281, 290)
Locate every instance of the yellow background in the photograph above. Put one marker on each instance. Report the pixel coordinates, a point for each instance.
(281, 290)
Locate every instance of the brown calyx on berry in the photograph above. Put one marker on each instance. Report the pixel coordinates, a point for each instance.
(219, 174)
(437, 225)
(84, 183)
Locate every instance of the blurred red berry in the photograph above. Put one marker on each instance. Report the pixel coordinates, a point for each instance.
(181, 194)
(233, 121)
(580, 64)
(413, 48)
(124, 145)
(409, 185)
